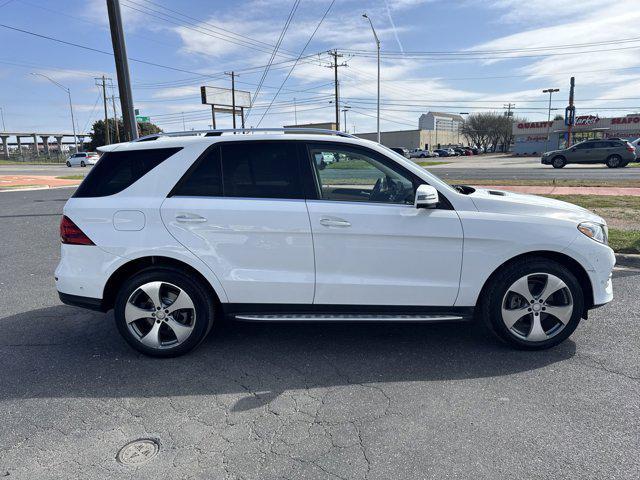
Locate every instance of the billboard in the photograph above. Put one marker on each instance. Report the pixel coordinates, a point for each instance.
(223, 97)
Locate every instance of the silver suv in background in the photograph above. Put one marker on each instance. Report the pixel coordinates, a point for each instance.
(614, 153)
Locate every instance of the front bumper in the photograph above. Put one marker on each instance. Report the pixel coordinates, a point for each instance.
(598, 261)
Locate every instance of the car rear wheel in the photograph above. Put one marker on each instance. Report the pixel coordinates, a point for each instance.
(163, 312)
(614, 161)
(82, 164)
(533, 304)
(558, 162)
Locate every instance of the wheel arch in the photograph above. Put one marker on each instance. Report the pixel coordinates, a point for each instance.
(568, 262)
(119, 276)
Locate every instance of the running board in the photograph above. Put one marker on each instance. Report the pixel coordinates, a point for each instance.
(305, 317)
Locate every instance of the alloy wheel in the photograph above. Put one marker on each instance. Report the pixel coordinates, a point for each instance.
(160, 315)
(537, 307)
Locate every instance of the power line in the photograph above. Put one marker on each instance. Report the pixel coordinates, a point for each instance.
(297, 59)
(499, 51)
(274, 52)
(97, 50)
(211, 26)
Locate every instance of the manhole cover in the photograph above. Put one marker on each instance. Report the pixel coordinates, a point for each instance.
(138, 452)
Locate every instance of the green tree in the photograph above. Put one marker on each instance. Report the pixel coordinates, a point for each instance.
(98, 135)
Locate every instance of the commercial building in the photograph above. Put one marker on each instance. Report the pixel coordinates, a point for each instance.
(530, 137)
(435, 130)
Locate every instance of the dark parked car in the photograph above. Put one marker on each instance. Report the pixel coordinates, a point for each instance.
(402, 151)
(442, 152)
(613, 153)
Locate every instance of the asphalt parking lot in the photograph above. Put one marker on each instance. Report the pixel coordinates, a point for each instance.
(302, 401)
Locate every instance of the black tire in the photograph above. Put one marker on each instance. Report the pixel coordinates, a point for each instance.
(558, 162)
(203, 302)
(68, 164)
(490, 303)
(614, 161)
(82, 164)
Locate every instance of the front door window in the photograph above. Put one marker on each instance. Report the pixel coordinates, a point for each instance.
(351, 175)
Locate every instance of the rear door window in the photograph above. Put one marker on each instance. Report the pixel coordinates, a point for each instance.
(119, 170)
(256, 169)
(204, 179)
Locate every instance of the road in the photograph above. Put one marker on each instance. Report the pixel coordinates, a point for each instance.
(497, 167)
(310, 401)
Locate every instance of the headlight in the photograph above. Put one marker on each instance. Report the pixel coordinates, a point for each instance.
(596, 231)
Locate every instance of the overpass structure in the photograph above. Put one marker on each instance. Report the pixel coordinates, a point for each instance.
(36, 144)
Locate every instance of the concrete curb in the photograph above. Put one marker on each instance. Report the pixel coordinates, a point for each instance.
(627, 260)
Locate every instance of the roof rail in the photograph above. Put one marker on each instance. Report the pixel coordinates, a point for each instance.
(218, 132)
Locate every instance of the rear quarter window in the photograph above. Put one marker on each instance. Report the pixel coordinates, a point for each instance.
(116, 171)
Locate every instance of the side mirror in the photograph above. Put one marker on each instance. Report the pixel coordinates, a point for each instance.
(426, 197)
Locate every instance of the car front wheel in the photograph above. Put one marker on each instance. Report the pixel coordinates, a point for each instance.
(533, 304)
(163, 312)
(558, 162)
(68, 164)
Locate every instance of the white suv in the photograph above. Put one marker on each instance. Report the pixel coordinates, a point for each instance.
(178, 231)
(83, 159)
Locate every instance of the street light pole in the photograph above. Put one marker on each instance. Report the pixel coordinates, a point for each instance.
(4, 128)
(550, 91)
(378, 46)
(345, 109)
(73, 122)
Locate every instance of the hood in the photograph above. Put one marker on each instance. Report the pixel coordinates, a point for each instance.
(500, 201)
(551, 152)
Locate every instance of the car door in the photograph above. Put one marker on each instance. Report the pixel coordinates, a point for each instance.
(582, 153)
(372, 246)
(241, 209)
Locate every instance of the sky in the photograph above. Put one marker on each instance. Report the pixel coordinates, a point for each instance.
(452, 56)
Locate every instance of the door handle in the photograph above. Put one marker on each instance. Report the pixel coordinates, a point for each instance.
(334, 222)
(190, 218)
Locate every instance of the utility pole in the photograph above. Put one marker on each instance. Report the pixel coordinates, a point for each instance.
(335, 66)
(115, 118)
(102, 82)
(184, 128)
(570, 115)
(122, 69)
(508, 106)
(233, 96)
(375, 35)
(4, 128)
(550, 91)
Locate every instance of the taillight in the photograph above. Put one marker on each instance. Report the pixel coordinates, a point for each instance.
(71, 234)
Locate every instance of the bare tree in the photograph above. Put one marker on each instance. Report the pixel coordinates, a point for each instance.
(489, 129)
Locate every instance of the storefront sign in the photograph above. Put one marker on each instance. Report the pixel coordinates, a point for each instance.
(587, 120)
(535, 125)
(624, 120)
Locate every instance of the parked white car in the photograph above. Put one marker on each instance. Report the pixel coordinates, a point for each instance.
(419, 153)
(82, 159)
(636, 145)
(175, 232)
